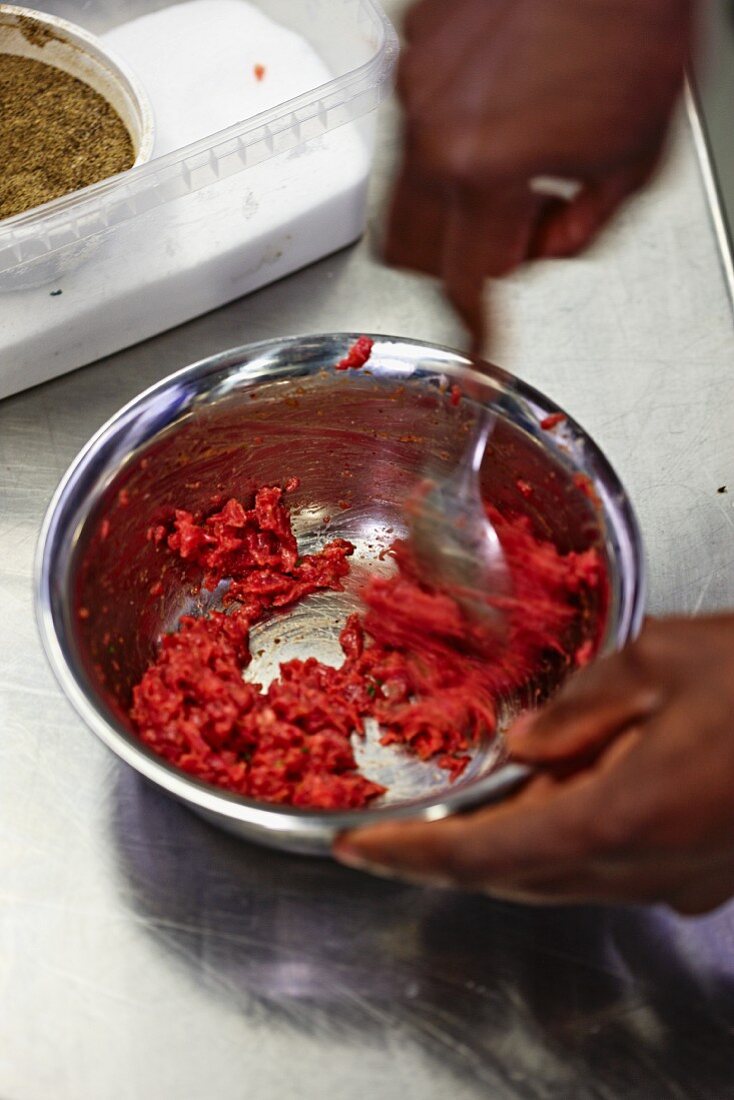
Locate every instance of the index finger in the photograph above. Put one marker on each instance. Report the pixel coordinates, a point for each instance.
(486, 235)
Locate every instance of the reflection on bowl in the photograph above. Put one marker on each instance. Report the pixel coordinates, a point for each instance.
(255, 416)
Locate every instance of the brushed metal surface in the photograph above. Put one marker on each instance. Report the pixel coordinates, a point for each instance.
(144, 954)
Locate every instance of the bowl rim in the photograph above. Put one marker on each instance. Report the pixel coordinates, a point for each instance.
(478, 374)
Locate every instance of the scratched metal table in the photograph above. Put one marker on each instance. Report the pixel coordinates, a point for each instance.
(144, 955)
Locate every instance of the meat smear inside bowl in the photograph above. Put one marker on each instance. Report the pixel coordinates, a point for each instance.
(246, 603)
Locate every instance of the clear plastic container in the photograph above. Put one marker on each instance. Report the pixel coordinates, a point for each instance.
(206, 222)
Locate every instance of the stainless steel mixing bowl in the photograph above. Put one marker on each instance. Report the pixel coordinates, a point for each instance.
(358, 440)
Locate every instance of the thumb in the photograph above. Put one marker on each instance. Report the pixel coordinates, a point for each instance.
(597, 704)
(565, 229)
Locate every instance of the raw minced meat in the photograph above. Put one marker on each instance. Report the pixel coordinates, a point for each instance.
(412, 660)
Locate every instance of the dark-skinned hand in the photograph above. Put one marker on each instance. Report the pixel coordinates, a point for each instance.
(643, 810)
(499, 93)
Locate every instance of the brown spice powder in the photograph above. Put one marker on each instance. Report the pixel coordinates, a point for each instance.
(56, 135)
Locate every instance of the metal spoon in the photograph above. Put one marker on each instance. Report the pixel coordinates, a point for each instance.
(454, 544)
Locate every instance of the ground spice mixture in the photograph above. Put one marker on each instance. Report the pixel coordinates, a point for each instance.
(412, 661)
(56, 135)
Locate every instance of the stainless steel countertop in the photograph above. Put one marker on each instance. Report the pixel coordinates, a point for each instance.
(144, 955)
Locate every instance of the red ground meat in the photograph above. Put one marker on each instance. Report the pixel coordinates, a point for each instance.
(552, 421)
(255, 550)
(357, 355)
(412, 661)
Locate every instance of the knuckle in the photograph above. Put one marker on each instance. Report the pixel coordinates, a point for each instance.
(452, 156)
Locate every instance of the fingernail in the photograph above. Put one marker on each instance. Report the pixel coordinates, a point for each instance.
(356, 861)
(349, 856)
(346, 855)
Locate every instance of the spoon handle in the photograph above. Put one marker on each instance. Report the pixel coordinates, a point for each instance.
(485, 422)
